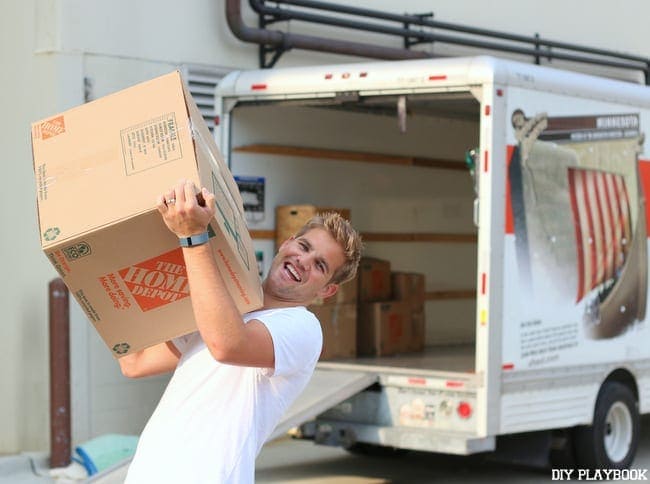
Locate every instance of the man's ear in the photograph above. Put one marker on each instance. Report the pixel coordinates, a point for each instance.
(328, 291)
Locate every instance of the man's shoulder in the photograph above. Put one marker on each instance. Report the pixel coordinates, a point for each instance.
(282, 311)
(284, 315)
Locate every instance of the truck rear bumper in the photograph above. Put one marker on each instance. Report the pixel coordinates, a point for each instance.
(346, 434)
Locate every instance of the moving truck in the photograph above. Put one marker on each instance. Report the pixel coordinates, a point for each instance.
(519, 191)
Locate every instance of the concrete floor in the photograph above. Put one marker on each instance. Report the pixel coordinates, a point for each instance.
(298, 462)
(289, 461)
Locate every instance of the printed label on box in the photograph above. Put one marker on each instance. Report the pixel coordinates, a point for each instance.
(60, 264)
(229, 218)
(41, 180)
(83, 301)
(115, 291)
(77, 251)
(150, 144)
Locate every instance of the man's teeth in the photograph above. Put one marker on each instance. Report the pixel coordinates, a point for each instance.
(293, 272)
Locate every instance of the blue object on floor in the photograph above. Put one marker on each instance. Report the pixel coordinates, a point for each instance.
(102, 452)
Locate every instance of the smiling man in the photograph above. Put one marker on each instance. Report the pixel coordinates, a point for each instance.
(236, 376)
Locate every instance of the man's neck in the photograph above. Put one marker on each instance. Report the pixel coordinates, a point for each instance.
(273, 303)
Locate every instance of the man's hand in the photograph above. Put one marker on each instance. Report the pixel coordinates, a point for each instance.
(185, 210)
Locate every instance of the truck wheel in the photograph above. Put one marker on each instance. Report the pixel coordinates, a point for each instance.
(612, 439)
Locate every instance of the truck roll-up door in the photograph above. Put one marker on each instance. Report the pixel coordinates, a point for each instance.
(326, 389)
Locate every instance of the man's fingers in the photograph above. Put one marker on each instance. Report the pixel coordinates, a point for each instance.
(186, 194)
(208, 198)
(179, 191)
(169, 198)
(161, 205)
(189, 192)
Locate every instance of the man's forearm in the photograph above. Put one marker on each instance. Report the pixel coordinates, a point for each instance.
(217, 317)
(154, 360)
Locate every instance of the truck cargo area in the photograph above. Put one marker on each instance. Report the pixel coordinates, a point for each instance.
(458, 358)
(397, 162)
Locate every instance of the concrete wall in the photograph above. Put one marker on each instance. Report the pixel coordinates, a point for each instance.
(49, 46)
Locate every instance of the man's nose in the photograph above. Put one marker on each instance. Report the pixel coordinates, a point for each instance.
(304, 262)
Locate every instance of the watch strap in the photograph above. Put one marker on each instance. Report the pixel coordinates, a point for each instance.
(193, 240)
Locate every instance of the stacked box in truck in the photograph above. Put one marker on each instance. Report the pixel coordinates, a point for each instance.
(535, 255)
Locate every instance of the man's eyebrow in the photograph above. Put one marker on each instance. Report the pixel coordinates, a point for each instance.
(306, 242)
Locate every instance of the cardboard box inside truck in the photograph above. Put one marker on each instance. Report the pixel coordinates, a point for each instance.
(384, 328)
(374, 280)
(409, 287)
(339, 324)
(99, 169)
(290, 218)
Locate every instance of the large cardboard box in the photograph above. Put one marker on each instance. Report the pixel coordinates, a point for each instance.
(290, 218)
(99, 169)
(374, 280)
(384, 328)
(418, 330)
(339, 325)
(347, 293)
(410, 288)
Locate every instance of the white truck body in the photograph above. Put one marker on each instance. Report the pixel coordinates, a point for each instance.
(531, 350)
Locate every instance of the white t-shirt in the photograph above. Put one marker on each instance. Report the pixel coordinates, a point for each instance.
(213, 418)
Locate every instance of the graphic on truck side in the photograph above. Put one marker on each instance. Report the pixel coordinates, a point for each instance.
(579, 220)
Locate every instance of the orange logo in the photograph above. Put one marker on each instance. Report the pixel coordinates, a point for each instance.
(158, 281)
(52, 127)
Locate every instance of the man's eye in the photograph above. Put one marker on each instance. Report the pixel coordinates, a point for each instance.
(321, 266)
(303, 246)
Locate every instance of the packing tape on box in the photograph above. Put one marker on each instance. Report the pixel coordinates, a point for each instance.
(48, 173)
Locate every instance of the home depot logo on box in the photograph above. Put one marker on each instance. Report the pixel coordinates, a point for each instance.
(153, 283)
(51, 128)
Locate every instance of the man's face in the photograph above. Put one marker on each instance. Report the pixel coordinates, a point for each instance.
(303, 267)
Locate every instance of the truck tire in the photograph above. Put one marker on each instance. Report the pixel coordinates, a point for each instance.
(611, 441)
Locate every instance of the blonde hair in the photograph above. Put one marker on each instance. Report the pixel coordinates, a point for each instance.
(349, 239)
